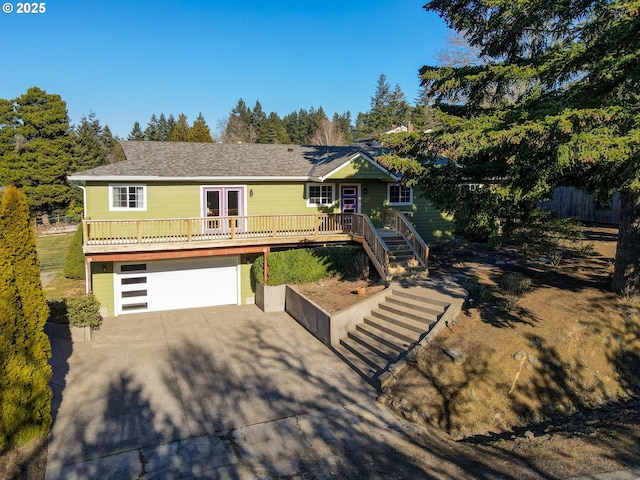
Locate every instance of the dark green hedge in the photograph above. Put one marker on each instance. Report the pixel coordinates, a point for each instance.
(307, 264)
(74, 261)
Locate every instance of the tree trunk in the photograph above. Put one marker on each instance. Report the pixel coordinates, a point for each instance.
(626, 276)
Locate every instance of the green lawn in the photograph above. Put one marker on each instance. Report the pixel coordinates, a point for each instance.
(52, 251)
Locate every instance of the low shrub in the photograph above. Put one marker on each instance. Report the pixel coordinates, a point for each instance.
(308, 265)
(84, 311)
(58, 311)
(514, 286)
(477, 290)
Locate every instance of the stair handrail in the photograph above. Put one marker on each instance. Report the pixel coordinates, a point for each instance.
(403, 226)
(374, 246)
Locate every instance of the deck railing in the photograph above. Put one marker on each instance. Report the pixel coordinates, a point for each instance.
(112, 234)
(375, 247)
(211, 229)
(398, 221)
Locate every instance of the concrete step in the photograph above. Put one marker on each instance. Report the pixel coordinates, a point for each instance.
(414, 322)
(404, 335)
(361, 367)
(390, 341)
(389, 351)
(423, 298)
(416, 304)
(411, 324)
(375, 361)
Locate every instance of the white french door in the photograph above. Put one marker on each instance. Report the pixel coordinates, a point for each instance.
(222, 202)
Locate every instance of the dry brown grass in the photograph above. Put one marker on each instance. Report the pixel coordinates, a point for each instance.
(566, 345)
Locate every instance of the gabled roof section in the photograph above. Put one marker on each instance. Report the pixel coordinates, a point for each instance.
(361, 166)
(158, 161)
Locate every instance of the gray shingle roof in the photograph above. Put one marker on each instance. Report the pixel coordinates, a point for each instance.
(209, 160)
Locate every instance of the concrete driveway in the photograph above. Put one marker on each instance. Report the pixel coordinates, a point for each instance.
(221, 392)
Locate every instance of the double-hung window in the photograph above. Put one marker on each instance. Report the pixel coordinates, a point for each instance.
(398, 194)
(320, 194)
(127, 197)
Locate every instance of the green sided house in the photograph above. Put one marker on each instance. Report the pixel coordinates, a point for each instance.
(179, 225)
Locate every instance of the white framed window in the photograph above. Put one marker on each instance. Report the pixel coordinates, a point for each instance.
(127, 197)
(320, 194)
(398, 194)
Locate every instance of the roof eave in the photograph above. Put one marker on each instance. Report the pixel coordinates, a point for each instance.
(152, 178)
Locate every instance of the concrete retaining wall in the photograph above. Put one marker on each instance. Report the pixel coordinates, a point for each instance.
(326, 327)
(309, 315)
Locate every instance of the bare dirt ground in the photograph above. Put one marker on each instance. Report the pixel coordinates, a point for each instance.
(552, 380)
(335, 293)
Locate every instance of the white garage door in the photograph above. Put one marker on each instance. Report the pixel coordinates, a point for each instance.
(173, 284)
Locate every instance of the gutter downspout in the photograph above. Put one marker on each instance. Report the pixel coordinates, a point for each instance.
(87, 263)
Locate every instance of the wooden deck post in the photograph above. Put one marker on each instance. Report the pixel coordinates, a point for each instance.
(85, 233)
(265, 269)
(139, 230)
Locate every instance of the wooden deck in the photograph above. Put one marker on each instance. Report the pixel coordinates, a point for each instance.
(102, 237)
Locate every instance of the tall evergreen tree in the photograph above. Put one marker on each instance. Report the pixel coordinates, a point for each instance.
(42, 151)
(343, 125)
(90, 149)
(113, 148)
(25, 396)
(240, 127)
(8, 125)
(294, 128)
(165, 127)
(258, 119)
(136, 133)
(152, 132)
(423, 115)
(181, 129)
(380, 114)
(399, 108)
(199, 132)
(556, 102)
(273, 131)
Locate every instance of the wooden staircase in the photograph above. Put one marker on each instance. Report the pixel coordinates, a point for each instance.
(402, 259)
(389, 332)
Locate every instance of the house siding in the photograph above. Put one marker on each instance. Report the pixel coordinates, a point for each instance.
(184, 200)
(247, 288)
(432, 225)
(280, 199)
(102, 284)
(163, 201)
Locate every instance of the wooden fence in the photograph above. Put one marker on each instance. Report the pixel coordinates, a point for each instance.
(569, 202)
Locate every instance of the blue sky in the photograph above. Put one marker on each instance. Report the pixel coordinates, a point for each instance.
(126, 60)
